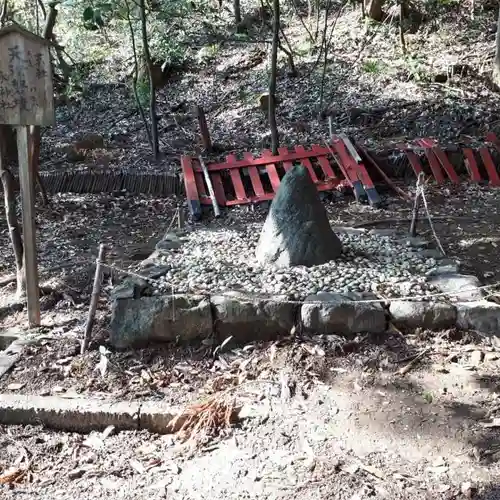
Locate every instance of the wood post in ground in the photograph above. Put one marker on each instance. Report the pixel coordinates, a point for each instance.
(27, 183)
(180, 217)
(96, 291)
(414, 218)
(416, 209)
(204, 132)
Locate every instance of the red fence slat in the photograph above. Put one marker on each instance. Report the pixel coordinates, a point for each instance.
(307, 163)
(489, 165)
(272, 171)
(445, 163)
(193, 198)
(471, 165)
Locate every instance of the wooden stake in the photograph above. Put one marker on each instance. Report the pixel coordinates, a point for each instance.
(416, 207)
(27, 184)
(96, 290)
(180, 217)
(414, 361)
(204, 132)
(414, 218)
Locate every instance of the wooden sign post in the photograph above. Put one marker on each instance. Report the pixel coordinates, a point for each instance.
(26, 98)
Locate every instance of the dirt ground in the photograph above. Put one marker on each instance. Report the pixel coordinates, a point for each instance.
(325, 417)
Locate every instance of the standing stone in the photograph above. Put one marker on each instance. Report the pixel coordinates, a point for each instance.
(297, 231)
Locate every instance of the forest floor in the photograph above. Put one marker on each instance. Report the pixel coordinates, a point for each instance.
(370, 91)
(323, 417)
(352, 427)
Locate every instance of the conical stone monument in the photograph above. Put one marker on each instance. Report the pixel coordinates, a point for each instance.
(297, 231)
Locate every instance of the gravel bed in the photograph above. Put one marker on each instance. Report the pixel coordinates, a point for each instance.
(218, 260)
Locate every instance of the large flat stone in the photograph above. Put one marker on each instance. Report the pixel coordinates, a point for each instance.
(73, 415)
(462, 286)
(252, 316)
(479, 315)
(430, 315)
(336, 313)
(159, 318)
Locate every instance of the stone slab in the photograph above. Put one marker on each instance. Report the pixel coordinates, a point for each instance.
(248, 317)
(480, 315)
(72, 415)
(155, 417)
(328, 313)
(7, 361)
(429, 315)
(159, 318)
(463, 287)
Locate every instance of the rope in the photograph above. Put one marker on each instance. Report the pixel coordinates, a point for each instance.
(421, 192)
(413, 298)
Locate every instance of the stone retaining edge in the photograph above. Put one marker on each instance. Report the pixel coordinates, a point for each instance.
(84, 415)
(345, 318)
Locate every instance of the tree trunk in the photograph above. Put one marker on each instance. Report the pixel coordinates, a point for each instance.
(272, 78)
(13, 225)
(374, 9)
(135, 75)
(237, 12)
(496, 61)
(152, 89)
(402, 11)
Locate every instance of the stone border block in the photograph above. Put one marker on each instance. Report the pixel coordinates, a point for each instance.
(328, 313)
(429, 315)
(248, 317)
(73, 415)
(159, 318)
(480, 315)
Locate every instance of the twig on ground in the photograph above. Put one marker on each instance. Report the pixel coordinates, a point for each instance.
(413, 362)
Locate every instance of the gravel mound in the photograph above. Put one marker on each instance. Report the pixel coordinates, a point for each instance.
(218, 260)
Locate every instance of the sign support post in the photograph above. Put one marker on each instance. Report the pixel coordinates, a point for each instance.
(26, 99)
